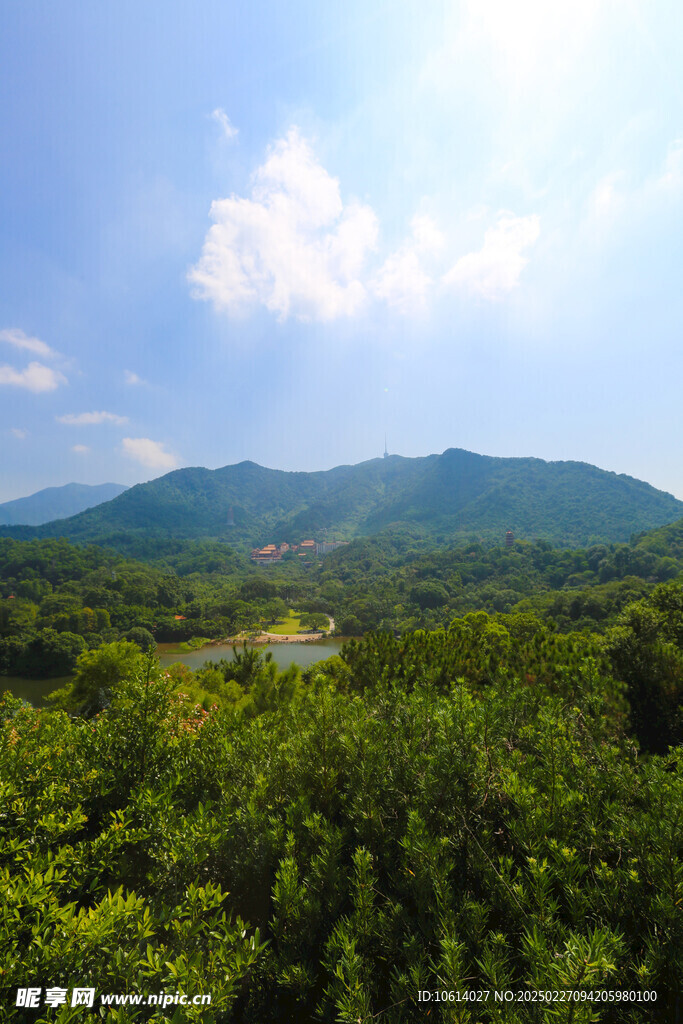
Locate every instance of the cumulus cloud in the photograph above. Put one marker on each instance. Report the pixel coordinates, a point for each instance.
(149, 453)
(35, 377)
(80, 449)
(83, 419)
(132, 378)
(16, 337)
(223, 120)
(292, 246)
(19, 433)
(496, 268)
(402, 280)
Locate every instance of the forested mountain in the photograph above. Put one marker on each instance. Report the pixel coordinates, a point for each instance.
(56, 503)
(456, 495)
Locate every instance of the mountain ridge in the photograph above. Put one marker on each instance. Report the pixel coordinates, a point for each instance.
(440, 497)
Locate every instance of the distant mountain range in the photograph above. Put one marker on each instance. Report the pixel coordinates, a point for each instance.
(57, 503)
(442, 498)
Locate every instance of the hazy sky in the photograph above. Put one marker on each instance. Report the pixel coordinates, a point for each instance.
(274, 231)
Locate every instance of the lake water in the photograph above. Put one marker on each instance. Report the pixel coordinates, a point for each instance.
(284, 655)
(33, 690)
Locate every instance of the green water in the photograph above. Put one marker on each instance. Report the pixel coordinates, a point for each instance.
(284, 655)
(33, 690)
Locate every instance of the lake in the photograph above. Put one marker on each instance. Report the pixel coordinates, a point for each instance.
(284, 655)
(33, 690)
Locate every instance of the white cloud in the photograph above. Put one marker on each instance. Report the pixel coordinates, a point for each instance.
(426, 235)
(292, 247)
(35, 377)
(82, 419)
(618, 199)
(402, 280)
(132, 378)
(607, 197)
(19, 433)
(223, 120)
(672, 175)
(495, 269)
(16, 337)
(149, 453)
(80, 449)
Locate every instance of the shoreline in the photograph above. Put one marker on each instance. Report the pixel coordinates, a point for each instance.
(278, 638)
(261, 639)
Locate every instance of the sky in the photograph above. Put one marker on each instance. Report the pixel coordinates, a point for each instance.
(279, 232)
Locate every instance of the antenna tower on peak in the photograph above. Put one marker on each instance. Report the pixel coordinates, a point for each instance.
(386, 453)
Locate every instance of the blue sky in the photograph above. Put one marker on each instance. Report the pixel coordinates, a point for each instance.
(278, 231)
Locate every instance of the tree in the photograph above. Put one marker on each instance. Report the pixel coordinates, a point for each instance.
(350, 626)
(257, 587)
(142, 637)
(99, 670)
(646, 648)
(49, 654)
(429, 595)
(314, 620)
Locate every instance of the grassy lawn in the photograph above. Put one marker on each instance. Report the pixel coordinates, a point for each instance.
(288, 625)
(291, 624)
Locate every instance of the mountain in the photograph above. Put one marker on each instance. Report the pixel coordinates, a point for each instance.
(446, 497)
(57, 503)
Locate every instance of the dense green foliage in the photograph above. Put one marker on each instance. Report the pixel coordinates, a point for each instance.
(384, 582)
(458, 810)
(440, 498)
(646, 650)
(665, 541)
(57, 599)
